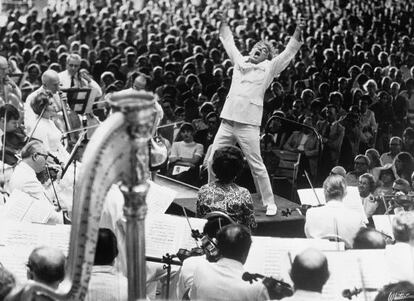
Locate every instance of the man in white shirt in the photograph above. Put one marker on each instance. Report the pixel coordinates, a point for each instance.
(222, 280)
(400, 256)
(34, 158)
(106, 282)
(50, 84)
(243, 109)
(333, 219)
(309, 274)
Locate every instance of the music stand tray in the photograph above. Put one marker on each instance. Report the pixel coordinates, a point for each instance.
(77, 98)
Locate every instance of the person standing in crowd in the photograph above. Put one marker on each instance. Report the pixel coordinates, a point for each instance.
(222, 280)
(47, 266)
(361, 166)
(225, 195)
(243, 109)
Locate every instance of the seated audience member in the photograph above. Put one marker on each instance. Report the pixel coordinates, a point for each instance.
(186, 156)
(402, 291)
(106, 282)
(403, 166)
(215, 221)
(34, 158)
(7, 282)
(395, 148)
(374, 160)
(338, 170)
(333, 219)
(275, 131)
(386, 179)
(222, 280)
(305, 142)
(366, 188)
(225, 195)
(309, 274)
(401, 187)
(47, 266)
(400, 255)
(361, 166)
(206, 135)
(368, 238)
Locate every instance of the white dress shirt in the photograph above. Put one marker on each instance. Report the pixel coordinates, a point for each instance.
(244, 103)
(186, 274)
(333, 219)
(24, 179)
(400, 261)
(106, 284)
(301, 295)
(222, 280)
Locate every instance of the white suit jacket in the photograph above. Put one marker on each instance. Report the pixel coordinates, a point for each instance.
(333, 219)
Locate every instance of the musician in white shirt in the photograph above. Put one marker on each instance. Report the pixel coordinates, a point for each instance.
(243, 109)
(309, 274)
(222, 280)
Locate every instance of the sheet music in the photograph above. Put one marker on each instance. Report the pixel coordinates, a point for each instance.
(22, 207)
(18, 239)
(159, 198)
(269, 255)
(345, 272)
(383, 223)
(166, 233)
(352, 200)
(15, 259)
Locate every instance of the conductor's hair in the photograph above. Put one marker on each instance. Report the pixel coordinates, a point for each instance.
(106, 248)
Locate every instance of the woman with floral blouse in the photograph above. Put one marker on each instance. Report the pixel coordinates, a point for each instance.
(223, 194)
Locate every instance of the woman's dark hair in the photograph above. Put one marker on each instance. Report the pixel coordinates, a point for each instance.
(40, 102)
(407, 165)
(227, 163)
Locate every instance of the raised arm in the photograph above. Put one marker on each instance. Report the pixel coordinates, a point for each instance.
(226, 38)
(281, 61)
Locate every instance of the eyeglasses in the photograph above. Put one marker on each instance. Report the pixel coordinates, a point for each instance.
(73, 65)
(43, 155)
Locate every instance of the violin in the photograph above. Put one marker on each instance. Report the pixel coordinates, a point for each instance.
(51, 171)
(183, 254)
(277, 289)
(349, 293)
(405, 201)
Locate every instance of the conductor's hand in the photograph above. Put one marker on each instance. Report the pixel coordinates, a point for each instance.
(301, 23)
(224, 27)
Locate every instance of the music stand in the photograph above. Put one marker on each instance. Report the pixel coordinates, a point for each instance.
(17, 78)
(77, 98)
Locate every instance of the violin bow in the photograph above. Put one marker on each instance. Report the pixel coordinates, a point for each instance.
(313, 189)
(53, 187)
(36, 124)
(361, 273)
(3, 151)
(191, 228)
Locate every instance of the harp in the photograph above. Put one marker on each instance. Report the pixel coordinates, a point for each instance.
(117, 152)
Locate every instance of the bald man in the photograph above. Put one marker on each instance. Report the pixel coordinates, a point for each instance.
(309, 274)
(47, 266)
(50, 84)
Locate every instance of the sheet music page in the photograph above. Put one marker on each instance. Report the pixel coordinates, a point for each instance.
(160, 234)
(352, 200)
(268, 255)
(159, 198)
(348, 269)
(185, 239)
(307, 196)
(14, 259)
(383, 223)
(22, 207)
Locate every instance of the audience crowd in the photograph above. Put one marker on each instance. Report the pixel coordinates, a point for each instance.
(346, 99)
